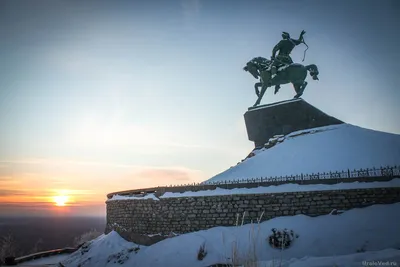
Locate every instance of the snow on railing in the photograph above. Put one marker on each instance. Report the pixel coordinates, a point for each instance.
(382, 173)
(389, 171)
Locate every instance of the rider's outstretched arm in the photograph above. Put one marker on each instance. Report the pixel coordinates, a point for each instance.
(300, 40)
(297, 42)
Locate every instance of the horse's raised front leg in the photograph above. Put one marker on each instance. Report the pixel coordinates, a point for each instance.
(296, 87)
(302, 87)
(299, 88)
(256, 85)
(277, 87)
(263, 89)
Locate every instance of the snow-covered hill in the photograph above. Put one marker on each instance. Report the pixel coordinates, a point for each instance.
(330, 148)
(373, 230)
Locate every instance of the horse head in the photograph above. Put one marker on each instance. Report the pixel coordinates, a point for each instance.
(252, 68)
(313, 69)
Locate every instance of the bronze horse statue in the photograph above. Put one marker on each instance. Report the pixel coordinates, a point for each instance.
(294, 73)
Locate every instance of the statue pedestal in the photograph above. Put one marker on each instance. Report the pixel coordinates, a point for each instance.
(281, 118)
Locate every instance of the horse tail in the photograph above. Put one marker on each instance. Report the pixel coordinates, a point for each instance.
(313, 69)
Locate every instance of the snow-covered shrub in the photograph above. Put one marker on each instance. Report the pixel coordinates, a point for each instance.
(37, 247)
(122, 256)
(134, 249)
(281, 239)
(202, 253)
(172, 234)
(363, 248)
(84, 248)
(117, 228)
(336, 212)
(85, 237)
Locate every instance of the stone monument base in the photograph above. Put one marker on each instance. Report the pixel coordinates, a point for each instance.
(281, 118)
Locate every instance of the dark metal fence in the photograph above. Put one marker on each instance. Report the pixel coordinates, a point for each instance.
(361, 175)
(393, 171)
(44, 254)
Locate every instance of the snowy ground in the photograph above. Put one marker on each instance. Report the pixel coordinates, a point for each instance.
(387, 257)
(347, 147)
(330, 240)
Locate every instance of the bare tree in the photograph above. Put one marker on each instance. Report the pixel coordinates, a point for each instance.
(7, 246)
(37, 247)
(85, 237)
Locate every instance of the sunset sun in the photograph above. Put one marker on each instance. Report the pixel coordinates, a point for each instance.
(60, 200)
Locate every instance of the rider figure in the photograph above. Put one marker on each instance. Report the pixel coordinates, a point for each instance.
(285, 47)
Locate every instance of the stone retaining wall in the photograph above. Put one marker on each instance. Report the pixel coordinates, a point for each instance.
(134, 218)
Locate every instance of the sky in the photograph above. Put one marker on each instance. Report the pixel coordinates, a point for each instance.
(101, 96)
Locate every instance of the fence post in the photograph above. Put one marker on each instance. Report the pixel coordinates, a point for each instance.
(348, 173)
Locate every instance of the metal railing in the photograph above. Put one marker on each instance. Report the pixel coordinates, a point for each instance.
(361, 175)
(9, 261)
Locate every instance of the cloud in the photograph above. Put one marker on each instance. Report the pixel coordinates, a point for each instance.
(11, 192)
(14, 194)
(92, 164)
(25, 208)
(92, 132)
(5, 178)
(100, 178)
(182, 175)
(46, 161)
(156, 176)
(27, 205)
(48, 209)
(190, 7)
(29, 184)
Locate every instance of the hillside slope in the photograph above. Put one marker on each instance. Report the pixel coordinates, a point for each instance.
(323, 149)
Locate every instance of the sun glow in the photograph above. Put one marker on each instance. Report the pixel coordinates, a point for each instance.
(60, 200)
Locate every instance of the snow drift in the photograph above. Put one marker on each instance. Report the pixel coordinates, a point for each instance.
(324, 149)
(374, 228)
(105, 249)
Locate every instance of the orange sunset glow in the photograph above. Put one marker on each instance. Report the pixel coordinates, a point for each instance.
(46, 187)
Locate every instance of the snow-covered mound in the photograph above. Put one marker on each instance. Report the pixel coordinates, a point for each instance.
(374, 228)
(111, 248)
(324, 149)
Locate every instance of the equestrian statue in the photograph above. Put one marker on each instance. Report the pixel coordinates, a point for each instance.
(281, 69)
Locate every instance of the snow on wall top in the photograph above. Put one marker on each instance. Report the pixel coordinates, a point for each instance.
(322, 149)
(272, 189)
